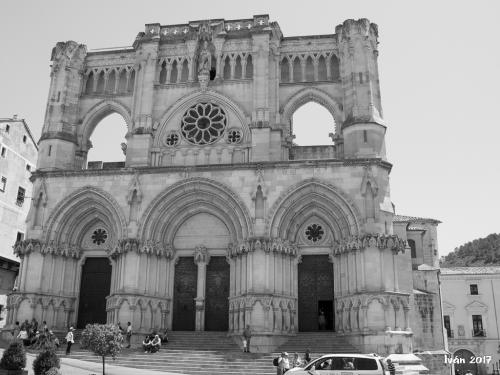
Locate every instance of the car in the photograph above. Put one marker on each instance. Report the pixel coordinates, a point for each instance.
(342, 364)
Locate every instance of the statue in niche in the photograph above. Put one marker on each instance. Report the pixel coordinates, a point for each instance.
(205, 59)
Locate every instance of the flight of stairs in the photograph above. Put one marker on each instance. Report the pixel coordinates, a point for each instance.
(318, 343)
(213, 353)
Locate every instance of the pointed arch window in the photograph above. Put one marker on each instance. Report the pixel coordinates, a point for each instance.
(335, 68)
(185, 71)
(297, 70)
(110, 86)
(227, 68)
(285, 70)
(249, 68)
(238, 69)
(131, 81)
(89, 86)
(122, 81)
(309, 69)
(100, 83)
(163, 72)
(322, 76)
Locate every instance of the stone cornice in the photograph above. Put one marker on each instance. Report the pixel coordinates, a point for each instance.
(295, 164)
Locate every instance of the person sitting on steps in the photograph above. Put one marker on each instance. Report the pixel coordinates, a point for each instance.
(155, 344)
(146, 344)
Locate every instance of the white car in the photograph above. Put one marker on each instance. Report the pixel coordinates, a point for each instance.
(342, 364)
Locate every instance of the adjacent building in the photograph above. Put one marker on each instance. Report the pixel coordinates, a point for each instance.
(471, 308)
(217, 219)
(18, 156)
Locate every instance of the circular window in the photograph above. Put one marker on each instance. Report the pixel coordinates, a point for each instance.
(172, 139)
(314, 232)
(234, 136)
(99, 236)
(203, 123)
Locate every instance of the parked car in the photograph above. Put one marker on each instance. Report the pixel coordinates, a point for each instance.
(342, 364)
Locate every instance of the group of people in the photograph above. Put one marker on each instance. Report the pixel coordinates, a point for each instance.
(33, 335)
(152, 342)
(283, 363)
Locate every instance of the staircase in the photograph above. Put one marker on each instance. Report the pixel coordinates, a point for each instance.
(318, 343)
(213, 353)
(207, 353)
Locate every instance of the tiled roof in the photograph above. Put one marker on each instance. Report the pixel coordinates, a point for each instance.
(411, 219)
(470, 270)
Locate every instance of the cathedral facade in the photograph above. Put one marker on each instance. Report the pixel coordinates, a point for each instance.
(217, 219)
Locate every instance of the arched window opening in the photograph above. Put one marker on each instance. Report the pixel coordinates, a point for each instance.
(173, 73)
(227, 68)
(122, 81)
(322, 76)
(110, 86)
(89, 86)
(285, 70)
(334, 68)
(238, 69)
(297, 70)
(100, 83)
(249, 68)
(108, 140)
(185, 71)
(163, 72)
(413, 249)
(369, 202)
(309, 69)
(311, 124)
(131, 81)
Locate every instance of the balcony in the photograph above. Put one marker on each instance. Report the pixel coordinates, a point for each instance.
(312, 152)
(478, 333)
(105, 165)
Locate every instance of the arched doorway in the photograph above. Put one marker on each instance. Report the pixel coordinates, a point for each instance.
(94, 288)
(463, 364)
(315, 294)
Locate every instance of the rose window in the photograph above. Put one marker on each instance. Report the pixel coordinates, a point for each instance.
(203, 123)
(99, 236)
(172, 139)
(314, 232)
(234, 136)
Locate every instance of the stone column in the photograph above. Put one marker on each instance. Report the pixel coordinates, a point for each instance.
(201, 259)
(406, 311)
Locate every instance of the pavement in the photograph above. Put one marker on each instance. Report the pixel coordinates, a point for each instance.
(71, 366)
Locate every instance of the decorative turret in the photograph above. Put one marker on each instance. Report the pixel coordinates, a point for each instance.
(363, 129)
(58, 141)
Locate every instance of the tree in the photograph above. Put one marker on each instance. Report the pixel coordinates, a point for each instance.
(481, 252)
(103, 339)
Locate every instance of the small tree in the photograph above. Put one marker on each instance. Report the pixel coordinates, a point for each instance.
(14, 358)
(46, 360)
(102, 339)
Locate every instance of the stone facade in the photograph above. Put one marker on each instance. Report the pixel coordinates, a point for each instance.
(18, 154)
(471, 314)
(212, 171)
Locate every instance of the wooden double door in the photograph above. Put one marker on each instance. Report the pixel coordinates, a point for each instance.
(216, 295)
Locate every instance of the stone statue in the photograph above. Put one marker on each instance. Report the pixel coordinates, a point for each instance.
(205, 59)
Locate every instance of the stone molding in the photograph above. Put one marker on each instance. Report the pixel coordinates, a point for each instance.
(115, 300)
(14, 300)
(380, 241)
(268, 301)
(275, 245)
(25, 247)
(149, 247)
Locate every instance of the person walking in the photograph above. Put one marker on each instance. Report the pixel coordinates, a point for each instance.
(283, 364)
(129, 334)
(70, 339)
(296, 361)
(390, 367)
(307, 356)
(247, 335)
(15, 331)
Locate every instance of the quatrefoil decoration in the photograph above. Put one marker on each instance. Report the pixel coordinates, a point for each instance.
(172, 139)
(234, 136)
(99, 236)
(314, 232)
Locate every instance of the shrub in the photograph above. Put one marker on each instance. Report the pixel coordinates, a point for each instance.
(102, 339)
(45, 361)
(14, 358)
(53, 371)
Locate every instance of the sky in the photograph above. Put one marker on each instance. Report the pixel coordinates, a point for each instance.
(439, 65)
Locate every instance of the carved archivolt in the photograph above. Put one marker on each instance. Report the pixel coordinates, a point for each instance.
(22, 248)
(173, 206)
(127, 245)
(313, 197)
